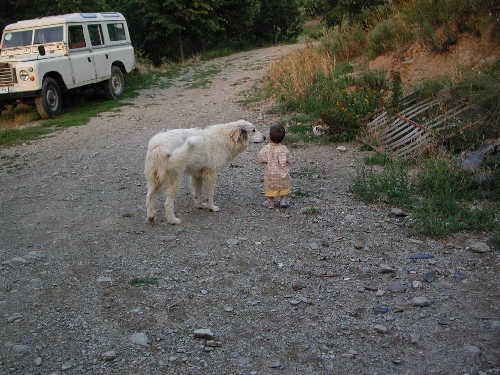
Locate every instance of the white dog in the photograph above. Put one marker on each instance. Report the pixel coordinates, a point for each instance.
(201, 153)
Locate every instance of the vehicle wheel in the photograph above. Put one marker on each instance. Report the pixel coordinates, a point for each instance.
(49, 103)
(114, 86)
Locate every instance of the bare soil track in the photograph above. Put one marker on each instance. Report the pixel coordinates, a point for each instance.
(329, 285)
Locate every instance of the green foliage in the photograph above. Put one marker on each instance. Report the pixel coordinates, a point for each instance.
(343, 119)
(277, 21)
(387, 36)
(334, 13)
(440, 22)
(144, 281)
(390, 184)
(442, 195)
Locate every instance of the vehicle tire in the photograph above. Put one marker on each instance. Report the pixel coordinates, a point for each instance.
(115, 85)
(49, 103)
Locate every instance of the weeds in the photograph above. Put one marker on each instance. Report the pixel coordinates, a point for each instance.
(441, 195)
(144, 281)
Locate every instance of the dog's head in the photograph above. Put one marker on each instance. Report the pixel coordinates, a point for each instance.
(246, 133)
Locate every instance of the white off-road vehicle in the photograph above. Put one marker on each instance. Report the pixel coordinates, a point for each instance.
(41, 59)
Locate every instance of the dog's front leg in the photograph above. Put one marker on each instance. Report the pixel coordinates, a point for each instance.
(209, 182)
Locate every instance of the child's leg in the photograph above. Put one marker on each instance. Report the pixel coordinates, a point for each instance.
(269, 203)
(284, 201)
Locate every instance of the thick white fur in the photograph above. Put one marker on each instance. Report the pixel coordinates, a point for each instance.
(201, 153)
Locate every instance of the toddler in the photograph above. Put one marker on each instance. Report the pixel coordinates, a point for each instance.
(276, 176)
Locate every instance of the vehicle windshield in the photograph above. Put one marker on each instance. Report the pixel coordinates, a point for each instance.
(23, 38)
(13, 39)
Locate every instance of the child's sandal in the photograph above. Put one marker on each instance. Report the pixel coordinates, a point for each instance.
(268, 204)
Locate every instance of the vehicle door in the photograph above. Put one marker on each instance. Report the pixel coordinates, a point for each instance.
(81, 58)
(99, 51)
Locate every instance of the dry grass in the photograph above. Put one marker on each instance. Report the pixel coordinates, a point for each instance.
(292, 74)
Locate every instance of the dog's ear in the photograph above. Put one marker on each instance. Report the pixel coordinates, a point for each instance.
(240, 135)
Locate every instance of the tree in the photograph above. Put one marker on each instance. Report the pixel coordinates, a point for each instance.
(334, 12)
(181, 20)
(277, 21)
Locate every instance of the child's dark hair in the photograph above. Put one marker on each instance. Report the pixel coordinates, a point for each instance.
(276, 133)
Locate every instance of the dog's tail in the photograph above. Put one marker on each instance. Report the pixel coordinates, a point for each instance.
(181, 156)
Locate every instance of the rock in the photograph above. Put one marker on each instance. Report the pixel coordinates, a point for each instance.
(385, 268)
(380, 310)
(203, 334)
(472, 349)
(20, 348)
(17, 317)
(342, 148)
(416, 284)
(479, 247)
(381, 328)
(398, 212)
(371, 288)
(430, 276)
(104, 279)
(396, 288)
(139, 339)
(420, 301)
(414, 337)
(277, 365)
(213, 343)
(420, 256)
(38, 361)
(110, 355)
(298, 285)
(19, 260)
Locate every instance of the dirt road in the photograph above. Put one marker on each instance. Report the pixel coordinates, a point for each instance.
(327, 286)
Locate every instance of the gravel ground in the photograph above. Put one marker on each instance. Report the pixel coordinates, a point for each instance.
(329, 285)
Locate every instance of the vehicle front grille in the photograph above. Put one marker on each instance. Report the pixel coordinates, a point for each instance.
(7, 75)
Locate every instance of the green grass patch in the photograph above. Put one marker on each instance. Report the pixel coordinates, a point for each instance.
(441, 196)
(300, 194)
(304, 172)
(144, 281)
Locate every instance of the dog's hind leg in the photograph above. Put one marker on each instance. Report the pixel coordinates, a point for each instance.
(150, 195)
(171, 191)
(196, 184)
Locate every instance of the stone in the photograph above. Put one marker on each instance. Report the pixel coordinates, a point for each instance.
(381, 328)
(298, 285)
(414, 337)
(203, 334)
(420, 301)
(380, 310)
(479, 247)
(110, 355)
(396, 288)
(430, 276)
(139, 339)
(420, 256)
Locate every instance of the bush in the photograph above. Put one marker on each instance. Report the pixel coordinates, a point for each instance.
(387, 36)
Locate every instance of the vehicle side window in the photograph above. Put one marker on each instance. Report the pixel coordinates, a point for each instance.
(116, 31)
(48, 35)
(76, 37)
(95, 33)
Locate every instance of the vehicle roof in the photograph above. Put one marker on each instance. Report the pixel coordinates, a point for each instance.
(67, 18)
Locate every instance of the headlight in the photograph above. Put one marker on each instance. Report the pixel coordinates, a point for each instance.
(23, 74)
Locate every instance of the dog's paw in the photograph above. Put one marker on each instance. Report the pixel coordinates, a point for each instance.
(201, 205)
(152, 220)
(174, 221)
(213, 208)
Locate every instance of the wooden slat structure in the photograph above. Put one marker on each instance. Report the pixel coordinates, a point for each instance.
(420, 125)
